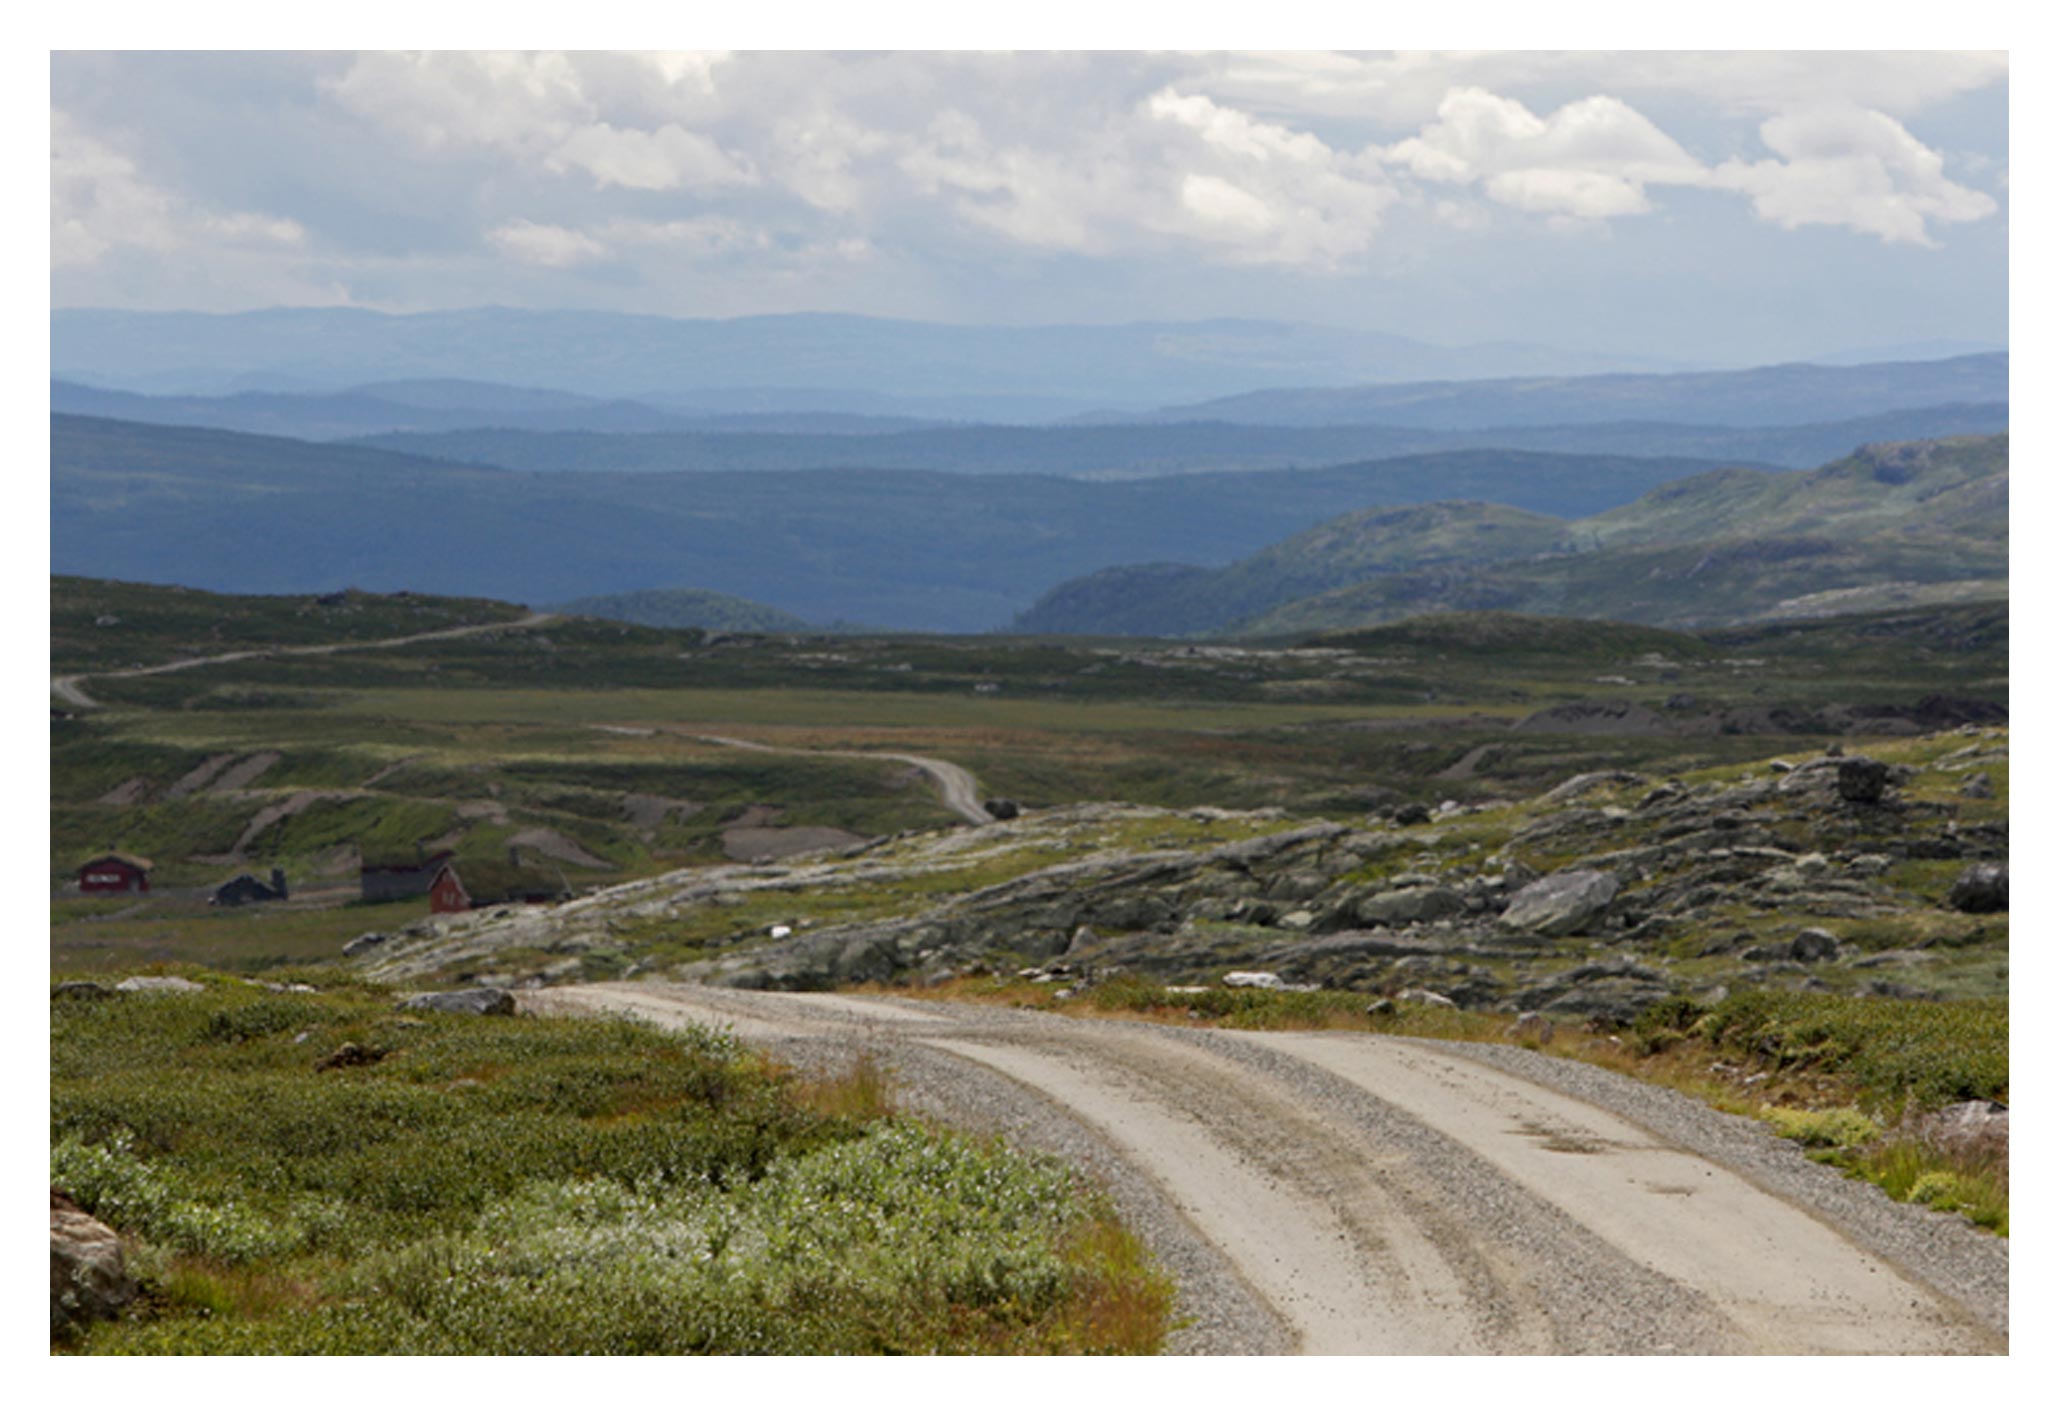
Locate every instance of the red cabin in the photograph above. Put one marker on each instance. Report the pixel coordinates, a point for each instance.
(114, 873)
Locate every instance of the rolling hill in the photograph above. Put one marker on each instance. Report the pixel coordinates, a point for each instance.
(895, 549)
(1142, 451)
(1890, 524)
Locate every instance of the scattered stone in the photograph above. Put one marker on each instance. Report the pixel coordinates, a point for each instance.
(1560, 904)
(81, 991)
(1978, 787)
(1261, 981)
(1383, 1006)
(1981, 888)
(1780, 765)
(1427, 998)
(1001, 808)
(158, 985)
(88, 1278)
(348, 1055)
(1414, 813)
(1532, 1026)
(1862, 780)
(1814, 945)
(484, 1000)
(1301, 920)
(365, 942)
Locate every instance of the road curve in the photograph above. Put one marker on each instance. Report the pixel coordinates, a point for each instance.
(67, 686)
(1368, 1194)
(957, 787)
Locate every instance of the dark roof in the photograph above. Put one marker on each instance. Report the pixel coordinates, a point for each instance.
(132, 860)
(404, 861)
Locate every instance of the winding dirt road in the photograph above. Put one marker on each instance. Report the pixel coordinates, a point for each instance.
(956, 786)
(1347, 1193)
(67, 686)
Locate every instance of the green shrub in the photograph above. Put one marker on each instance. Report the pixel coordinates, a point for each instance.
(1826, 1127)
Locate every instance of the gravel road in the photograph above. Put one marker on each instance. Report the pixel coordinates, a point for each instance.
(1349, 1193)
(956, 786)
(67, 686)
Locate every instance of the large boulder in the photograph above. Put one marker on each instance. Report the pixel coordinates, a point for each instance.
(158, 985)
(1560, 904)
(483, 1000)
(1980, 888)
(1862, 780)
(88, 1278)
(1399, 907)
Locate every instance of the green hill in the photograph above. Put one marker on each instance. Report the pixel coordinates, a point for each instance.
(1923, 522)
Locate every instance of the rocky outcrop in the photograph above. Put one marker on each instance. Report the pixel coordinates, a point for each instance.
(483, 1000)
(1560, 904)
(158, 985)
(1590, 903)
(88, 1278)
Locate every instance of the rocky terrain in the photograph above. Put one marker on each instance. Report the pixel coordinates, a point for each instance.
(1878, 872)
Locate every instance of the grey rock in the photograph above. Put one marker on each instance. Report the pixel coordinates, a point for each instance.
(1001, 808)
(1978, 787)
(1560, 904)
(88, 1278)
(365, 942)
(1427, 998)
(1862, 780)
(483, 1000)
(1813, 945)
(1414, 813)
(158, 985)
(81, 991)
(1400, 907)
(1980, 888)
(1383, 1006)
(1532, 1026)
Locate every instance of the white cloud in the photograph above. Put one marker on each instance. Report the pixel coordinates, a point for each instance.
(1590, 159)
(1405, 88)
(1846, 166)
(665, 159)
(100, 203)
(553, 110)
(550, 246)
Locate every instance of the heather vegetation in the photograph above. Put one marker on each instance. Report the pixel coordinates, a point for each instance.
(472, 1185)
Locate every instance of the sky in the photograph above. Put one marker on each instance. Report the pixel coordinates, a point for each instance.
(1700, 207)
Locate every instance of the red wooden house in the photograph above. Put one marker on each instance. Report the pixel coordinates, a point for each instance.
(464, 884)
(115, 873)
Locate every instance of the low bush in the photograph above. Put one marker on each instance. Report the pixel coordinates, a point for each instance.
(564, 1186)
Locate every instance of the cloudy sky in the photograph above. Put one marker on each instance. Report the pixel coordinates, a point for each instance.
(1697, 206)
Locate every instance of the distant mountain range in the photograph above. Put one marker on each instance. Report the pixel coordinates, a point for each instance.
(1891, 524)
(436, 406)
(797, 362)
(1147, 450)
(1761, 396)
(891, 548)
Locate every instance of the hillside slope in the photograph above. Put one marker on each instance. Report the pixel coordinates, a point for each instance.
(895, 549)
(1890, 524)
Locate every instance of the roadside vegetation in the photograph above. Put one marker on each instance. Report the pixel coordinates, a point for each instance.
(329, 1175)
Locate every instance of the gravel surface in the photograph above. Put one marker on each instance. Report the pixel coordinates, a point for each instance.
(1320, 1192)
